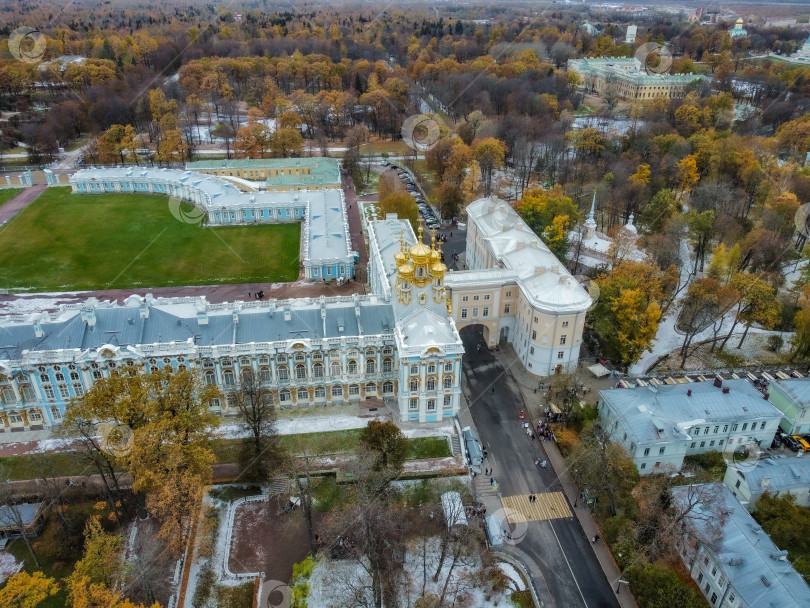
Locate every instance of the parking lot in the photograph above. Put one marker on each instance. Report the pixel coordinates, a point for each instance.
(452, 240)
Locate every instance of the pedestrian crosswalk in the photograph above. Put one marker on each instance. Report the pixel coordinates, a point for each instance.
(549, 505)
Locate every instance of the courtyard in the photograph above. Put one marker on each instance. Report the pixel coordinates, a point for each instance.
(64, 241)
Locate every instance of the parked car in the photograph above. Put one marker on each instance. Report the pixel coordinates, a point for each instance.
(777, 441)
(805, 445)
(791, 443)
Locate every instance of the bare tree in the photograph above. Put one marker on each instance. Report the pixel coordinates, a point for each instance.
(92, 453)
(261, 453)
(14, 512)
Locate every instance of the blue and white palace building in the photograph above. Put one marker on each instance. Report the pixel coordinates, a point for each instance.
(326, 251)
(401, 343)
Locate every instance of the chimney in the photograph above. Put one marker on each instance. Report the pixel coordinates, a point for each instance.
(202, 317)
(766, 396)
(718, 382)
(725, 390)
(143, 311)
(689, 393)
(89, 316)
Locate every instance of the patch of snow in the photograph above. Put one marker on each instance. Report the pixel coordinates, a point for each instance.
(434, 432)
(513, 575)
(335, 582)
(9, 566)
(306, 424)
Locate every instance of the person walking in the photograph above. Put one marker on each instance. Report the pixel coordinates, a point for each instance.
(595, 538)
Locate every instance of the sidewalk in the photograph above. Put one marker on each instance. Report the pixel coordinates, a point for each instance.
(528, 384)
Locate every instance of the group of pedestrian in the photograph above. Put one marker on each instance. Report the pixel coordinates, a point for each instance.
(259, 295)
(532, 498)
(544, 431)
(488, 472)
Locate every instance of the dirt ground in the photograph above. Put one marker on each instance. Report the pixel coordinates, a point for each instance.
(154, 567)
(267, 540)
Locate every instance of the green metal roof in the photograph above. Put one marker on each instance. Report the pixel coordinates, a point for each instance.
(324, 170)
(622, 67)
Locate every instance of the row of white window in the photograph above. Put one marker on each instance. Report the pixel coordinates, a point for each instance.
(413, 385)
(319, 392)
(413, 404)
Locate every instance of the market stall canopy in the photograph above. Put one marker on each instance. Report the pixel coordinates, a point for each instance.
(599, 370)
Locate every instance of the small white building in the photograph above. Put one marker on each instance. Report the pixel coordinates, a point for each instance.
(659, 425)
(630, 37)
(733, 561)
(748, 481)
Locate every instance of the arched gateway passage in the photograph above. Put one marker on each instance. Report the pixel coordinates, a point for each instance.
(475, 338)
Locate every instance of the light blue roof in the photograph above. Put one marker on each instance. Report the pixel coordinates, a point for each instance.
(663, 413)
(759, 572)
(795, 389)
(253, 322)
(783, 474)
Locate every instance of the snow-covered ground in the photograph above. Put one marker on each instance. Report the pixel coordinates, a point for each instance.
(334, 583)
(25, 304)
(669, 339)
(8, 566)
(305, 424)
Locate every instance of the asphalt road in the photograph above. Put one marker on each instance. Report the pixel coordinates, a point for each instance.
(558, 546)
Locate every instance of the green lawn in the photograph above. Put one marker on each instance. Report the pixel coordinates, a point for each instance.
(225, 451)
(8, 193)
(99, 241)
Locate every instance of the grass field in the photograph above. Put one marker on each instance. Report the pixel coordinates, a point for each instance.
(102, 241)
(8, 193)
(225, 450)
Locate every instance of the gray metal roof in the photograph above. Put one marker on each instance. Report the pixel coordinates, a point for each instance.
(795, 389)
(328, 230)
(27, 512)
(167, 322)
(663, 413)
(782, 474)
(758, 571)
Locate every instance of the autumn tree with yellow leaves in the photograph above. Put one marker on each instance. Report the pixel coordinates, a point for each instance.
(168, 454)
(629, 308)
(25, 590)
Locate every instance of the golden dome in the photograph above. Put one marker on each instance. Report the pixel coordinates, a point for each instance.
(420, 252)
(400, 257)
(406, 270)
(739, 21)
(438, 269)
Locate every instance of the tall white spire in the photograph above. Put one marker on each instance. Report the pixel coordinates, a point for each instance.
(590, 223)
